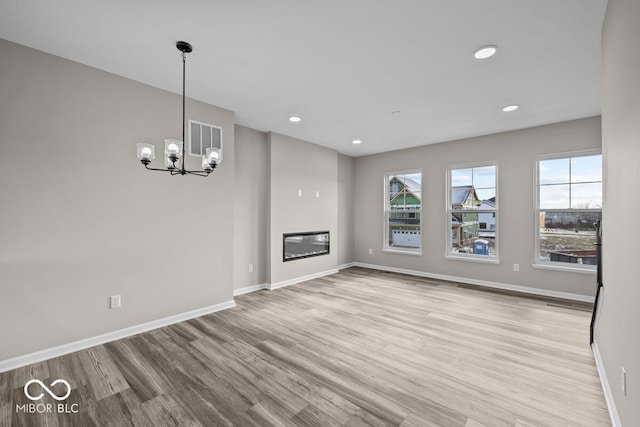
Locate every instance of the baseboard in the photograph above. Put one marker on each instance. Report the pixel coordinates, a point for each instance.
(289, 282)
(606, 388)
(39, 356)
(249, 289)
(347, 265)
(284, 283)
(485, 283)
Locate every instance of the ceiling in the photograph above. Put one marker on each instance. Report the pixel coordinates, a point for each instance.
(394, 74)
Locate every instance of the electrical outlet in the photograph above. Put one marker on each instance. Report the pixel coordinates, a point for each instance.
(370, 251)
(115, 301)
(623, 380)
(250, 268)
(317, 194)
(299, 192)
(516, 267)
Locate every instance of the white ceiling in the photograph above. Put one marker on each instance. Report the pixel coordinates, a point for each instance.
(343, 66)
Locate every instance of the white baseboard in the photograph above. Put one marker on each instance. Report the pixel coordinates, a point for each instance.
(289, 282)
(504, 286)
(277, 285)
(606, 388)
(249, 289)
(49, 353)
(347, 265)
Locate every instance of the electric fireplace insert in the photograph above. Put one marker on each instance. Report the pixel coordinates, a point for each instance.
(304, 245)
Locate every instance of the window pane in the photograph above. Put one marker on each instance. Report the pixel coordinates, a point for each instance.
(554, 196)
(461, 177)
(414, 184)
(554, 171)
(473, 189)
(404, 211)
(586, 196)
(464, 197)
(484, 177)
(487, 195)
(472, 234)
(586, 169)
(568, 237)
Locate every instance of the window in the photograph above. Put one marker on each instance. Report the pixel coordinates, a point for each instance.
(403, 209)
(472, 207)
(203, 136)
(569, 202)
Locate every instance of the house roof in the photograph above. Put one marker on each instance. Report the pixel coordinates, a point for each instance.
(489, 203)
(412, 185)
(460, 194)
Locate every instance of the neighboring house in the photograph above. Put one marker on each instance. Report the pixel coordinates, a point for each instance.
(464, 225)
(404, 218)
(487, 220)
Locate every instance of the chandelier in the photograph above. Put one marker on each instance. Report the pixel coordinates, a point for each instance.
(174, 150)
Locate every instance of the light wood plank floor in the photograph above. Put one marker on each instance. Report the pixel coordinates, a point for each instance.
(361, 347)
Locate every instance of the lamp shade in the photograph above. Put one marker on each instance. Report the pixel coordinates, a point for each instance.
(172, 152)
(146, 152)
(213, 155)
(205, 164)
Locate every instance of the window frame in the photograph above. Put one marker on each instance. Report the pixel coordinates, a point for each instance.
(387, 210)
(557, 265)
(203, 148)
(449, 212)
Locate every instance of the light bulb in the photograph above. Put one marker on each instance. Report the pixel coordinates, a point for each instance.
(205, 164)
(172, 149)
(145, 153)
(213, 155)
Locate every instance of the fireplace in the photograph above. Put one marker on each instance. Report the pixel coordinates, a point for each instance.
(304, 245)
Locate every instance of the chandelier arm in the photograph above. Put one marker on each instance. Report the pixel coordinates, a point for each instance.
(198, 173)
(157, 169)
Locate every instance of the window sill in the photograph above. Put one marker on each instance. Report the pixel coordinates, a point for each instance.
(402, 251)
(582, 270)
(472, 259)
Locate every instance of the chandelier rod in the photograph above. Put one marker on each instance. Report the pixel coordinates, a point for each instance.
(184, 62)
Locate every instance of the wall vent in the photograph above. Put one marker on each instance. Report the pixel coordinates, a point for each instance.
(203, 136)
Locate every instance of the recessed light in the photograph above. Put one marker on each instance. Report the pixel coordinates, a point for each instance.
(294, 119)
(485, 52)
(507, 108)
(356, 141)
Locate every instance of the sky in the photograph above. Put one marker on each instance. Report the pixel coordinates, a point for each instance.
(571, 183)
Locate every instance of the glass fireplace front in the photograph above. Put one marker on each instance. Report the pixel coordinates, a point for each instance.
(304, 245)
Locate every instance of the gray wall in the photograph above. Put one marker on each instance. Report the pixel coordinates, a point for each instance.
(515, 154)
(252, 196)
(83, 220)
(250, 208)
(618, 328)
(346, 206)
(299, 165)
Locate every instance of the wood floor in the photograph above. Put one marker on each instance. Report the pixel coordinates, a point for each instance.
(361, 347)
